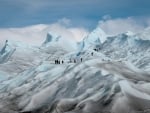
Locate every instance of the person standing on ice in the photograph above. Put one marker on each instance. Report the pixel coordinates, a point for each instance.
(81, 59)
(74, 60)
(57, 62)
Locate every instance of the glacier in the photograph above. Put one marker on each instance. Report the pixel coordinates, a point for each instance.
(112, 77)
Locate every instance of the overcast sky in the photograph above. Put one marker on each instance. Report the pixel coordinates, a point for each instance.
(86, 13)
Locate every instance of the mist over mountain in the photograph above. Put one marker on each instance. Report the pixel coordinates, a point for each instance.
(99, 74)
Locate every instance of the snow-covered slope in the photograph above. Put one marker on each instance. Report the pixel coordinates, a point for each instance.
(89, 86)
(128, 47)
(113, 79)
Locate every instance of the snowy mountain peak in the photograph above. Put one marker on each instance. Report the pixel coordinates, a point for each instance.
(129, 33)
(93, 40)
(3, 50)
(6, 52)
(97, 34)
(56, 40)
(51, 37)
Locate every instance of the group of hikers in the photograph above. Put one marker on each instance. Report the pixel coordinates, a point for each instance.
(71, 61)
(59, 62)
(97, 49)
(75, 60)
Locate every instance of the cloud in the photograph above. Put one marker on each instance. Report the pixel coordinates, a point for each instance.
(73, 32)
(120, 25)
(64, 21)
(106, 17)
(36, 34)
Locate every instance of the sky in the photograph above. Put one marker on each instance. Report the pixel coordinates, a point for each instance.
(86, 13)
(113, 16)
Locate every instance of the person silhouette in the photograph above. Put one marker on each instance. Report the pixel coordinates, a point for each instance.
(62, 62)
(81, 59)
(70, 60)
(57, 62)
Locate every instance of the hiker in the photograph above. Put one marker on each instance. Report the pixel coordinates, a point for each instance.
(57, 62)
(81, 59)
(92, 53)
(70, 60)
(74, 60)
(62, 61)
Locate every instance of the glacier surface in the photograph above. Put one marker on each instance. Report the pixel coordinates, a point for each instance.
(100, 74)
